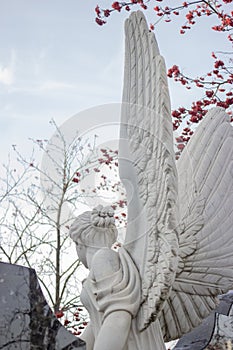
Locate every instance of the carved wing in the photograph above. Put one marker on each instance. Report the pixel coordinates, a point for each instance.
(147, 167)
(205, 171)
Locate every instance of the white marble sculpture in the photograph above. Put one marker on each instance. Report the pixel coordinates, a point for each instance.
(177, 256)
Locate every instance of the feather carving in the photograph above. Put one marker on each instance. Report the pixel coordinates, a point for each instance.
(180, 215)
(147, 125)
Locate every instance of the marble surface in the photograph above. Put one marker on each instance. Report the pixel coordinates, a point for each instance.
(179, 238)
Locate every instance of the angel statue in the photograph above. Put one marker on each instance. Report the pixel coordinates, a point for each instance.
(177, 255)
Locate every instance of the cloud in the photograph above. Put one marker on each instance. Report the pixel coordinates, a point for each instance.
(7, 71)
(6, 76)
(54, 85)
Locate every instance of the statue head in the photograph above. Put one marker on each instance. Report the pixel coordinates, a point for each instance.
(93, 230)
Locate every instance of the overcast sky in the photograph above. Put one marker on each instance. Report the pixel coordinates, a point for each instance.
(55, 61)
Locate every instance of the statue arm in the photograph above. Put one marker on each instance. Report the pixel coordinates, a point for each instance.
(88, 337)
(118, 296)
(114, 331)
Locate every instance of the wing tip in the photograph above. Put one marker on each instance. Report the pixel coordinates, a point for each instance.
(220, 113)
(135, 19)
(138, 19)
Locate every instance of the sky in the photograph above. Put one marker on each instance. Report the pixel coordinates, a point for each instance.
(55, 61)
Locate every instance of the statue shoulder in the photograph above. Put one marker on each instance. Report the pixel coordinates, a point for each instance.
(105, 262)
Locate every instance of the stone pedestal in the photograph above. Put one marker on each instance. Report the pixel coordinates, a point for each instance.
(26, 320)
(215, 332)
